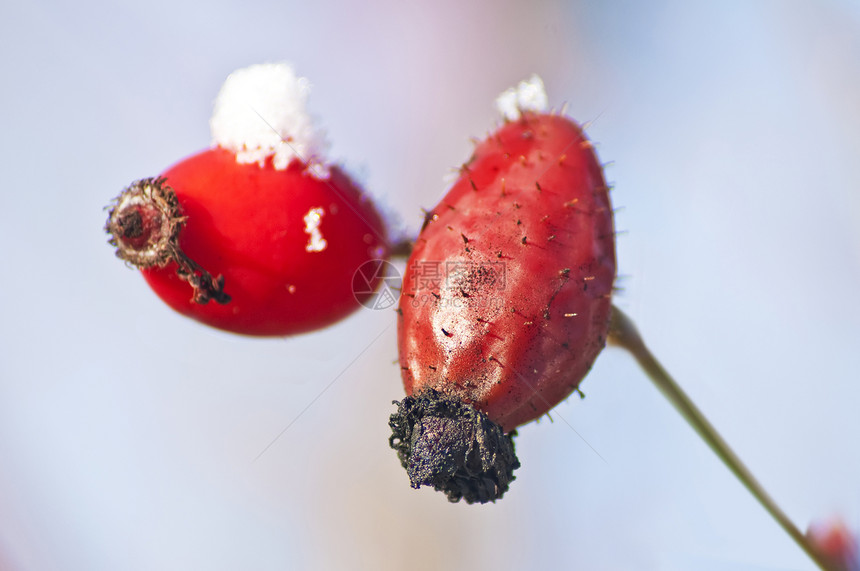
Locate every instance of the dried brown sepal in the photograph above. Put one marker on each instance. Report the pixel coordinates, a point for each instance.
(144, 223)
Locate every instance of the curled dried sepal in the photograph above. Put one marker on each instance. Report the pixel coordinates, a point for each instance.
(445, 443)
(144, 222)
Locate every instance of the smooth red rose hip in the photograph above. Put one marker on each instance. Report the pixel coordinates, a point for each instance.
(256, 235)
(506, 296)
(836, 544)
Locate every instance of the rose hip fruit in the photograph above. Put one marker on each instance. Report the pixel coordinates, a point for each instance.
(506, 299)
(256, 235)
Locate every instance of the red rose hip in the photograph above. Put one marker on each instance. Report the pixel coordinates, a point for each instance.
(506, 296)
(255, 235)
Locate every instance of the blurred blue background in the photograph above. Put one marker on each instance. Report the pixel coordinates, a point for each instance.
(128, 434)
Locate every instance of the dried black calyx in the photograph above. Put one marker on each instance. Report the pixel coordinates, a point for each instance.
(445, 443)
(144, 223)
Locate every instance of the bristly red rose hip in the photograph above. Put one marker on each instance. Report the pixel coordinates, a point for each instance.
(506, 296)
(257, 224)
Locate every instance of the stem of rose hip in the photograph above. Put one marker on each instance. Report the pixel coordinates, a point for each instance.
(623, 333)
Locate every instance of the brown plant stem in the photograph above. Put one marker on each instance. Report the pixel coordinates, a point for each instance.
(623, 333)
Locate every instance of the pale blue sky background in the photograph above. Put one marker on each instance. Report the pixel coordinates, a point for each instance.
(128, 434)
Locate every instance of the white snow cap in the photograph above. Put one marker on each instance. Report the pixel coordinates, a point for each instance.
(528, 95)
(260, 113)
